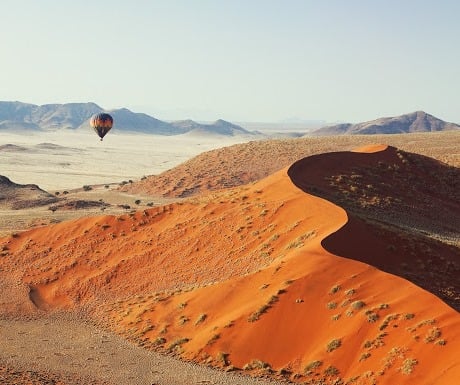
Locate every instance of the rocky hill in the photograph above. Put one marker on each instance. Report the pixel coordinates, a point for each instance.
(48, 116)
(18, 196)
(418, 121)
(126, 120)
(219, 127)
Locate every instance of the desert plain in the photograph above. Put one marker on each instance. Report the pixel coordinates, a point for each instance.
(331, 260)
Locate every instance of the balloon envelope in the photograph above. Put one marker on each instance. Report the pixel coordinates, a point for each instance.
(102, 123)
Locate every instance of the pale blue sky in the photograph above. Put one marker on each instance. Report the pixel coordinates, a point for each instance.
(240, 60)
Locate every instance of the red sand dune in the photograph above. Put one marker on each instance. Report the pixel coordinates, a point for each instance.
(404, 208)
(241, 278)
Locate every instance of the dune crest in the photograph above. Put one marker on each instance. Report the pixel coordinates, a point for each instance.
(370, 148)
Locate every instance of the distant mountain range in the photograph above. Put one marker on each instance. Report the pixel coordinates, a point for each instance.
(24, 116)
(418, 121)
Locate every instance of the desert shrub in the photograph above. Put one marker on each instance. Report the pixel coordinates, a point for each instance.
(177, 343)
(87, 187)
(358, 305)
(223, 357)
(264, 308)
(333, 344)
(345, 303)
(408, 366)
(256, 364)
(334, 289)
(285, 372)
(331, 371)
(274, 237)
(372, 317)
(312, 365)
(367, 344)
(256, 315)
(213, 339)
(200, 318)
(159, 341)
(426, 322)
(331, 305)
(387, 320)
(350, 292)
(147, 328)
(432, 335)
(229, 324)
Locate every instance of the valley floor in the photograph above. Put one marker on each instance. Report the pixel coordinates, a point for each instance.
(72, 351)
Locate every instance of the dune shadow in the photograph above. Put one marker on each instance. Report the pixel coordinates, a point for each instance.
(403, 213)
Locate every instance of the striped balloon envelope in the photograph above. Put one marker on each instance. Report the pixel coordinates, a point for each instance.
(102, 123)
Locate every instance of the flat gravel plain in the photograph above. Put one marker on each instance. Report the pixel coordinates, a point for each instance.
(72, 352)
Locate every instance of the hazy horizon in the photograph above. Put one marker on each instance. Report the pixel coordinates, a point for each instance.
(67, 159)
(258, 61)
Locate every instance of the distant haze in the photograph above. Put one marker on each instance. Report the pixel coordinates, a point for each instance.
(66, 159)
(246, 61)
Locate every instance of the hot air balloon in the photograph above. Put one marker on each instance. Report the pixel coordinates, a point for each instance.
(102, 123)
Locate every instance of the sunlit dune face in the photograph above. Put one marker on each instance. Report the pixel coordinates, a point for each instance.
(371, 148)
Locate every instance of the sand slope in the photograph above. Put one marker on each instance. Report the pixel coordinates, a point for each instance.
(248, 162)
(241, 279)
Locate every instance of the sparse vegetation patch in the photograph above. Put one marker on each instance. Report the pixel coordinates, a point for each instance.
(311, 366)
(177, 343)
(333, 344)
(334, 289)
(200, 318)
(408, 366)
(358, 305)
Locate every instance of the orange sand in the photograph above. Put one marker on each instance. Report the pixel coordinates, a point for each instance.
(199, 273)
